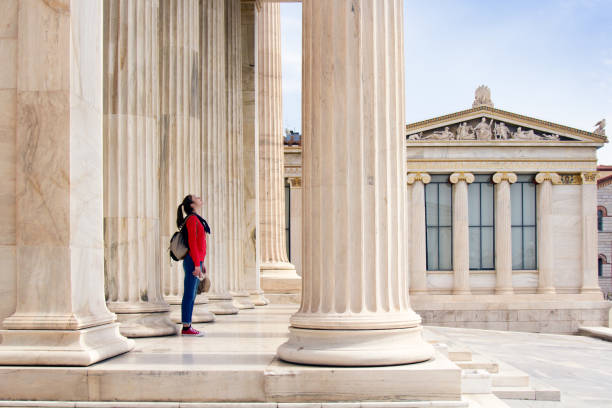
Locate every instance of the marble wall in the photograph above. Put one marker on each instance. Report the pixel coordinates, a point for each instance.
(8, 122)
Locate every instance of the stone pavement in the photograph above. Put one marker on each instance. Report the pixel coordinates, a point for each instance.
(581, 367)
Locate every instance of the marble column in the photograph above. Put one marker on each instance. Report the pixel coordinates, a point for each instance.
(546, 249)
(180, 145)
(355, 308)
(461, 233)
(215, 153)
(235, 220)
(418, 237)
(131, 212)
(277, 274)
(295, 223)
(250, 141)
(590, 283)
(8, 132)
(61, 316)
(503, 232)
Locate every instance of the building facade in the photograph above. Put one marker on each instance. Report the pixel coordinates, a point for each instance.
(604, 230)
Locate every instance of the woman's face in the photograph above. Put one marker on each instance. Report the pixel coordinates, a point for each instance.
(197, 202)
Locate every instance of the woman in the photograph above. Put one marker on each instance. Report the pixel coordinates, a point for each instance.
(193, 262)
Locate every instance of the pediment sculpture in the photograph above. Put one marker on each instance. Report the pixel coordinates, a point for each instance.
(484, 129)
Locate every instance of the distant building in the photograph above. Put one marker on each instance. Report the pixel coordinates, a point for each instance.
(604, 229)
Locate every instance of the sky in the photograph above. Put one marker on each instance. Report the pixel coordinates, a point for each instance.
(548, 59)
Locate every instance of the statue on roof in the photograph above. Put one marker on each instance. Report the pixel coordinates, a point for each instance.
(483, 130)
(502, 132)
(465, 132)
(600, 128)
(482, 97)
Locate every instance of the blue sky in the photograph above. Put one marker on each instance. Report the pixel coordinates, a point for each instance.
(548, 59)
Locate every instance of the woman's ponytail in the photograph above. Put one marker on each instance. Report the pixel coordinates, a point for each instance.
(185, 205)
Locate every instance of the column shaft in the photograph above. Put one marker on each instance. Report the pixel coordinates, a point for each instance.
(180, 145)
(461, 233)
(60, 305)
(503, 232)
(545, 232)
(251, 257)
(278, 275)
(215, 147)
(355, 306)
(418, 241)
(295, 220)
(131, 197)
(235, 219)
(590, 282)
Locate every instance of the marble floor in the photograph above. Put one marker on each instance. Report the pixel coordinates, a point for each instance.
(236, 347)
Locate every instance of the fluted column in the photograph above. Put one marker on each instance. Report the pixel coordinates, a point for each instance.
(180, 145)
(215, 153)
(235, 219)
(131, 139)
(546, 250)
(503, 232)
(295, 223)
(61, 316)
(251, 256)
(418, 240)
(590, 282)
(355, 306)
(277, 274)
(461, 233)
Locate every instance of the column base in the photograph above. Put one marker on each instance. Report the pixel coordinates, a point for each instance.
(349, 348)
(242, 300)
(504, 291)
(550, 291)
(146, 324)
(593, 289)
(200, 314)
(222, 304)
(62, 347)
(258, 298)
(462, 292)
(280, 277)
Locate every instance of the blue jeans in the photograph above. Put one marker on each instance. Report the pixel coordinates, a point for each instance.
(189, 290)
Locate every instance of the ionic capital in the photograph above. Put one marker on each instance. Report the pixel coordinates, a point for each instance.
(589, 177)
(457, 177)
(295, 182)
(509, 177)
(554, 178)
(423, 177)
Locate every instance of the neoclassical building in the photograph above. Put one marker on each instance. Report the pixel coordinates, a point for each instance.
(604, 229)
(502, 221)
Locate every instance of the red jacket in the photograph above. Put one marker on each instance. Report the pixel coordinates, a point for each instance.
(197, 240)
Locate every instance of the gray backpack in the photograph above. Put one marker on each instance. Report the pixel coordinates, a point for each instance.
(179, 243)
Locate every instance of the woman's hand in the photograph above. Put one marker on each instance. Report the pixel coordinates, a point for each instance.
(197, 271)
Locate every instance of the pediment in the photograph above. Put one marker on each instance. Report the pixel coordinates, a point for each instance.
(486, 124)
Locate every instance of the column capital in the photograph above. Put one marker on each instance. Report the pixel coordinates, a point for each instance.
(295, 182)
(414, 177)
(589, 177)
(552, 177)
(499, 177)
(457, 177)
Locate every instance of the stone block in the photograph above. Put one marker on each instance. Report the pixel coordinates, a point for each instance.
(8, 18)
(476, 381)
(523, 326)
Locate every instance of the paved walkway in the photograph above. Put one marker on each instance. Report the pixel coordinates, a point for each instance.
(581, 367)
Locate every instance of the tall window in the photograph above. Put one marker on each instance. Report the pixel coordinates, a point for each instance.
(523, 204)
(288, 218)
(599, 220)
(481, 222)
(600, 267)
(439, 222)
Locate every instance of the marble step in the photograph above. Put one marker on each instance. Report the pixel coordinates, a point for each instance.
(479, 362)
(456, 354)
(540, 392)
(283, 298)
(485, 401)
(369, 404)
(509, 376)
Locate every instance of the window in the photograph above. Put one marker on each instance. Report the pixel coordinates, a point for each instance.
(439, 222)
(288, 218)
(600, 220)
(523, 204)
(600, 267)
(481, 223)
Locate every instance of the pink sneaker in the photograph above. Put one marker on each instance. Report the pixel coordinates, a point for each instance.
(190, 331)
